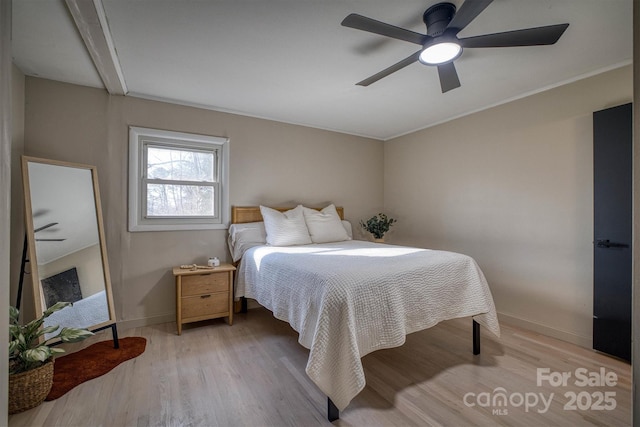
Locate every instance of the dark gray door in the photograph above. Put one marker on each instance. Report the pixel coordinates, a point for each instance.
(612, 160)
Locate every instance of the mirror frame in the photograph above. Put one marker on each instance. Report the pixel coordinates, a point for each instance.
(33, 259)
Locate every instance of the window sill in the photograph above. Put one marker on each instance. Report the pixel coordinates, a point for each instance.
(176, 227)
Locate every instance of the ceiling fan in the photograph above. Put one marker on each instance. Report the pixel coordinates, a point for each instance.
(44, 227)
(441, 45)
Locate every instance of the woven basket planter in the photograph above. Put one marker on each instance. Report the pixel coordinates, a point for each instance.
(29, 389)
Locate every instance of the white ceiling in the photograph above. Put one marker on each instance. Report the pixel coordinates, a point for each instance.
(292, 61)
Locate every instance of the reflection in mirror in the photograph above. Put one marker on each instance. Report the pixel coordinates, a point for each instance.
(66, 244)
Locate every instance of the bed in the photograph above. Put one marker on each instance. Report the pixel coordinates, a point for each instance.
(349, 298)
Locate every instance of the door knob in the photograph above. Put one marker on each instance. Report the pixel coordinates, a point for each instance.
(602, 243)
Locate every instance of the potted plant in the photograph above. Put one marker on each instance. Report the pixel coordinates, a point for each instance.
(31, 357)
(378, 225)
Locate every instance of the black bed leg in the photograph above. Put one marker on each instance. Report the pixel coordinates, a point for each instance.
(332, 411)
(476, 338)
(243, 305)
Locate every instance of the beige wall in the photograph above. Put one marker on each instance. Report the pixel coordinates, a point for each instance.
(512, 186)
(8, 109)
(270, 163)
(17, 201)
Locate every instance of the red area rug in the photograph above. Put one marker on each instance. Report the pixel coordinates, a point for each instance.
(92, 362)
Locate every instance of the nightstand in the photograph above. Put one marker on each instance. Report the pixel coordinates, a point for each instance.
(204, 294)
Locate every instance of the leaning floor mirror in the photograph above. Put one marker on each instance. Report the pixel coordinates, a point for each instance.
(66, 246)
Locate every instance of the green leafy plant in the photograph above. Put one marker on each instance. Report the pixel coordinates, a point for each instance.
(27, 350)
(378, 225)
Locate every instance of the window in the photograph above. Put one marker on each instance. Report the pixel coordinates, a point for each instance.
(177, 181)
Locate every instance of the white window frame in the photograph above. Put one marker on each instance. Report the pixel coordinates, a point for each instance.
(139, 137)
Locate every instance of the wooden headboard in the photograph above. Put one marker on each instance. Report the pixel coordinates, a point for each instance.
(242, 214)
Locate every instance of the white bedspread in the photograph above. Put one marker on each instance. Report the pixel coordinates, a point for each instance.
(87, 312)
(350, 298)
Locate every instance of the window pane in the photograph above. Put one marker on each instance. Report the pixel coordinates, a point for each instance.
(180, 165)
(179, 200)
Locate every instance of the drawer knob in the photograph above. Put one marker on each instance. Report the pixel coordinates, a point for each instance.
(205, 296)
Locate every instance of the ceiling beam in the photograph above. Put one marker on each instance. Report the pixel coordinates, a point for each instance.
(92, 24)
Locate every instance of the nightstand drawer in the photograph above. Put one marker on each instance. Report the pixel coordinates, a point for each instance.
(205, 305)
(204, 283)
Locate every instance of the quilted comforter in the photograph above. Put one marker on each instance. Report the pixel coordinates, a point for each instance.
(85, 313)
(350, 298)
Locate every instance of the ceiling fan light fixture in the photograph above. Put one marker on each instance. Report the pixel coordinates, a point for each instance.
(440, 53)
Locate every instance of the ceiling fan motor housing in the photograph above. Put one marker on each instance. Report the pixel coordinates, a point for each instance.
(437, 17)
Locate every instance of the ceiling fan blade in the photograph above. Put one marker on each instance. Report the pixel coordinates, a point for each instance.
(528, 37)
(363, 23)
(467, 13)
(395, 67)
(44, 227)
(448, 77)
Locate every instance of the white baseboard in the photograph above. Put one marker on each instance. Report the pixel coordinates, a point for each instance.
(123, 325)
(582, 341)
(251, 303)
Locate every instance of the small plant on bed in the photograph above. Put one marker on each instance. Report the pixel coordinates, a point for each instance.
(31, 357)
(378, 225)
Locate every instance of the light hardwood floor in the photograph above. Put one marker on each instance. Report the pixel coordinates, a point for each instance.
(252, 374)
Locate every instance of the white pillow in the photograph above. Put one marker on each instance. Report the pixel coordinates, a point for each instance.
(285, 228)
(347, 226)
(325, 225)
(245, 236)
